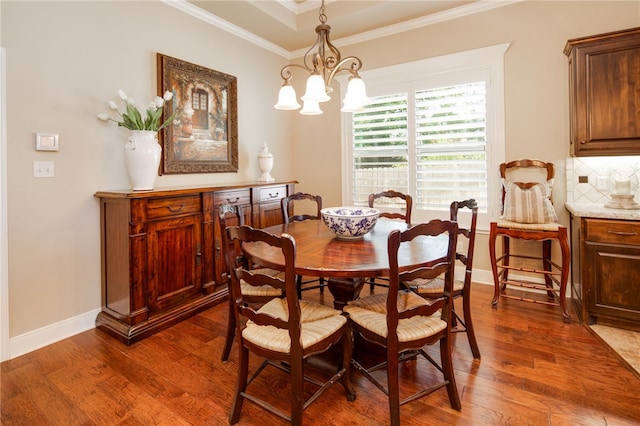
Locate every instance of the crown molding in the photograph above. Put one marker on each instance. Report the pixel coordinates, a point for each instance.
(458, 12)
(209, 18)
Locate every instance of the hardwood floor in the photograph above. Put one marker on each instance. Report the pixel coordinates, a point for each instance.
(535, 370)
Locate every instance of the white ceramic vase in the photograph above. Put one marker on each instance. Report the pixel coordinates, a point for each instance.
(142, 158)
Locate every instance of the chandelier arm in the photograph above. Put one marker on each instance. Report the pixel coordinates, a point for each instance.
(310, 55)
(285, 72)
(335, 59)
(356, 65)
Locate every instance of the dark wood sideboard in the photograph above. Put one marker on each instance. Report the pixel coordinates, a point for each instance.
(161, 251)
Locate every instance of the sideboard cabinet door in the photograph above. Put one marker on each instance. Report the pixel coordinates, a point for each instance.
(174, 262)
(604, 82)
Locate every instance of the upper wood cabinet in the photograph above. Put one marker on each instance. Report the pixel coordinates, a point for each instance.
(604, 93)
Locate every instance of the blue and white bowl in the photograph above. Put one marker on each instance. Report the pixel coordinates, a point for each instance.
(350, 223)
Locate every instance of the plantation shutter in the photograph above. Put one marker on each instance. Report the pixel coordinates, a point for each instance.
(380, 147)
(450, 153)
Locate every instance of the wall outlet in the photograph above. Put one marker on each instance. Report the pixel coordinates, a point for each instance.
(602, 183)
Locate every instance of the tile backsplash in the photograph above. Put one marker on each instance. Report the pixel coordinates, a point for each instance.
(600, 174)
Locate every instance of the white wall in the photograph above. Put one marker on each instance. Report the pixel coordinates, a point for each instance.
(65, 60)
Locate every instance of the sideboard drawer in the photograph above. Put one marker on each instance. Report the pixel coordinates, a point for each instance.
(612, 231)
(173, 206)
(238, 196)
(272, 193)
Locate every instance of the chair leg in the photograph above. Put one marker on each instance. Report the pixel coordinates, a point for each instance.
(231, 332)
(506, 257)
(393, 387)
(493, 234)
(241, 386)
(546, 260)
(322, 285)
(347, 354)
(299, 286)
(297, 391)
(447, 371)
(468, 323)
(564, 275)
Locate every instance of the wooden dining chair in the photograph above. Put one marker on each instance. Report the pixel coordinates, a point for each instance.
(433, 289)
(255, 296)
(310, 202)
(403, 322)
(285, 332)
(528, 214)
(394, 199)
(390, 199)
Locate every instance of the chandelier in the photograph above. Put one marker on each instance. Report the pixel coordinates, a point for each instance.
(323, 61)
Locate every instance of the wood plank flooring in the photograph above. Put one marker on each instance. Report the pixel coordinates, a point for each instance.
(535, 370)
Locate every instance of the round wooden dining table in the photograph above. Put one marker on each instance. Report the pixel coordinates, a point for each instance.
(345, 264)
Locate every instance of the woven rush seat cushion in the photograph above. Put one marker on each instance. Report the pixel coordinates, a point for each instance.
(435, 286)
(317, 322)
(265, 290)
(528, 226)
(371, 313)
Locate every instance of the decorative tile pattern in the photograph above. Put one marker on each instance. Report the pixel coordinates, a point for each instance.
(603, 171)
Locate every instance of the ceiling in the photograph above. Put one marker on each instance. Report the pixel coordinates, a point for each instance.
(290, 24)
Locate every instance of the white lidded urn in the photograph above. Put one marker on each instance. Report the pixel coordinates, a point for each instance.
(142, 158)
(265, 161)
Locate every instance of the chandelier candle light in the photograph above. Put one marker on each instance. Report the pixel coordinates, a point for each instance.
(323, 61)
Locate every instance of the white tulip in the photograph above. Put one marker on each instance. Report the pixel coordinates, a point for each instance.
(122, 95)
(103, 117)
(113, 105)
(168, 96)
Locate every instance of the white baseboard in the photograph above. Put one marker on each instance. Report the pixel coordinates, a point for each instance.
(51, 333)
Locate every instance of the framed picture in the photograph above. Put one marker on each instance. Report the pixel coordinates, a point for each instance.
(203, 136)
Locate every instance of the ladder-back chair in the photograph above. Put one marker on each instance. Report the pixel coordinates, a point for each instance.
(285, 332)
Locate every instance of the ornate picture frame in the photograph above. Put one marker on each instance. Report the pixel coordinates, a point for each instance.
(203, 137)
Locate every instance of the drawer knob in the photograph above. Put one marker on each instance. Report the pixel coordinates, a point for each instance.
(234, 201)
(274, 196)
(176, 209)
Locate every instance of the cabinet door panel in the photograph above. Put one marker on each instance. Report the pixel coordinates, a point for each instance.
(613, 76)
(174, 261)
(613, 273)
(604, 84)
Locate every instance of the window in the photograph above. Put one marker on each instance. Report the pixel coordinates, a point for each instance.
(434, 129)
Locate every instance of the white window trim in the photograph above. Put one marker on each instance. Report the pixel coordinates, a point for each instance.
(491, 60)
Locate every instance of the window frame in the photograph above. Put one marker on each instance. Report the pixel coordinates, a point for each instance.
(487, 61)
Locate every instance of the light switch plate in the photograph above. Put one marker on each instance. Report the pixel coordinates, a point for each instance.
(46, 142)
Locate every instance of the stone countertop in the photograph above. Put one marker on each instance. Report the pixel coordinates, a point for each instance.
(598, 210)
